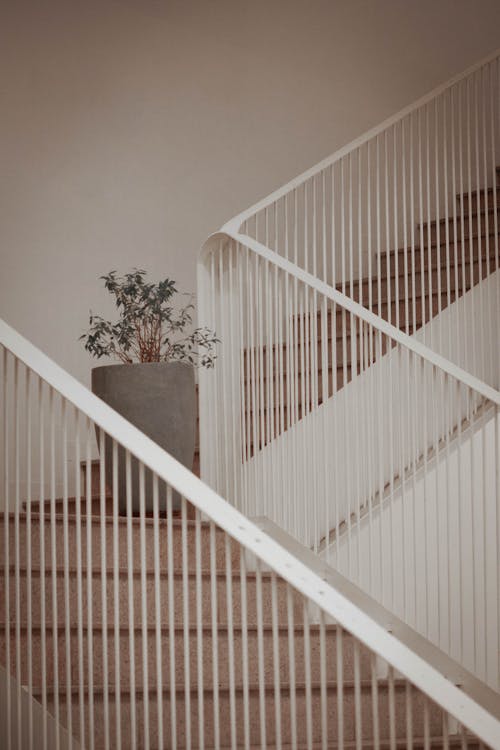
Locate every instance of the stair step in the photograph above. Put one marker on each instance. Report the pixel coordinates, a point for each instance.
(435, 717)
(474, 223)
(417, 284)
(122, 523)
(123, 596)
(482, 197)
(135, 663)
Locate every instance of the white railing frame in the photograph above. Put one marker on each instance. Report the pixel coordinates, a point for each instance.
(420, 673)
(378, 323)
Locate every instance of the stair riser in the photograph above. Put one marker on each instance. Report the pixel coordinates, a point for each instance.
(472, 225)
(418, 285)
(270, 722)
(485, 198)
(123, 593)
(144, 552)
(435, 256)
(125, 662)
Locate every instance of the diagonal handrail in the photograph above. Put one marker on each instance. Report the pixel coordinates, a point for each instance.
(311, 584)
(367, 316)
(234, 224)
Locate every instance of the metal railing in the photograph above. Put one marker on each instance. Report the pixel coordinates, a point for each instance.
(187, 628)
(404, 220)
(354, 401)
(365, 445)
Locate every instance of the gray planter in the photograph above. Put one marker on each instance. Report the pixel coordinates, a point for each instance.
(159, 399)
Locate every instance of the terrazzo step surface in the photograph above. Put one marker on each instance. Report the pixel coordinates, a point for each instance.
(188, 704)
(244, 644)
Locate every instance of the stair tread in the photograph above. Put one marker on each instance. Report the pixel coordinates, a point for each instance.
(253, 687)
(178, 628)
(178, 573)
(468, 215)
(109, 520)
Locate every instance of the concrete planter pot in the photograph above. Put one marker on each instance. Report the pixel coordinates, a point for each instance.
(159, 399)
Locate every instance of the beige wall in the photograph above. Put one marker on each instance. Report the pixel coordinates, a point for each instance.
(129, 130)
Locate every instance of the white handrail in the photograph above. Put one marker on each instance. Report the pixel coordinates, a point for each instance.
(420, 673)
(361, 312)
(234, 224)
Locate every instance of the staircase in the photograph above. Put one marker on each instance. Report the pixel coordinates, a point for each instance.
(273, 641)
(408, 289)
(333, 581)
(355, 399)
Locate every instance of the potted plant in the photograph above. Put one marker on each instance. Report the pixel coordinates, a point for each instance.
(154, 386)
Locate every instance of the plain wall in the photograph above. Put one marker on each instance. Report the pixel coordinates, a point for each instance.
(131, 130)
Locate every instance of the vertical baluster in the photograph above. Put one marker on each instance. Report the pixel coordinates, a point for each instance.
(439, 290)
(79, 579)
(454, 193)
(323, 681)
(215, 645)
(104, 584)
(260, 656)
(276, 661)
(387, 224)
(380, 415)
(245, 385)
(116, 592)
(29, 579)
(90, 618)
(429, 220)
(460, 503)
(53, 562)
(421, 240)
(214, 442)
(413, 327)
(199, 633)
(17, 556)
(395, 223)
(494, 128)
(479, 230)
(375, 701)
(185, 622)
(230, 638)
(144, 603)
(490, 376)
(427, 730)
(409, 715)
(405, 228)
(171, 619)
(425, 433)
(244, 650)
(401, 386)
(340, 686)
(392, 709)
(446, 393)
(236, 433)
(43, 603)
(67, 631)
(469, 209)
(357, 697)
(130, 592)
(6, 542)
(378, 214)
(446, 127)
(472, 484)
(291, 665)
(307, 669)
